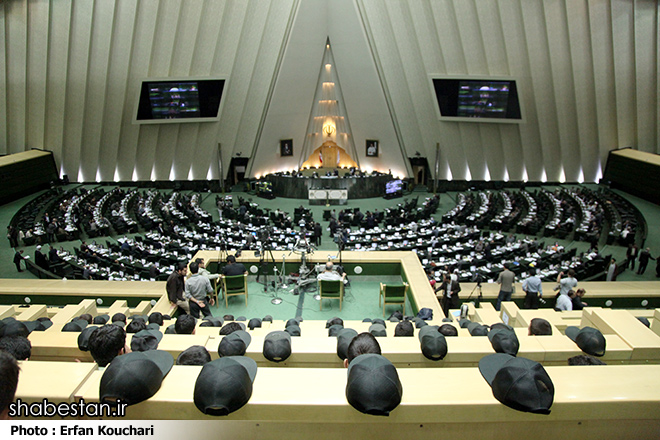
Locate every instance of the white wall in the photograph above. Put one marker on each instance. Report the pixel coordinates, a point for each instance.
(587, 73)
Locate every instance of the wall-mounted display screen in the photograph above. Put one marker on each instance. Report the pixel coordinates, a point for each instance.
(393, 187)
(477, 98)
(180, 100)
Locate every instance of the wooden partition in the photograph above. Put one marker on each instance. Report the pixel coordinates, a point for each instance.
(615, 402)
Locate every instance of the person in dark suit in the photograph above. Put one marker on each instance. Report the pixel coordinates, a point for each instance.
(631, 255)
(18, 257)
(448, 294)
(644, 258)
(52, 255)
(318, 232)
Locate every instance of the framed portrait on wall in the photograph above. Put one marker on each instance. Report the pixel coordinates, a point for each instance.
(286, 147)
(372, 148)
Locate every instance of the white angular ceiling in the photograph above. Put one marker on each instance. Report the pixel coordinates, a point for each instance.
(587, 74)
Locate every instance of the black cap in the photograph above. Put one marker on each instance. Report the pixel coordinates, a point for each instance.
(254, 323)
(334, 321)
(379, 321)
(83, 337)
(101, 319)
(477, 329)
(377, 330)
(366, 320)
(34, 326)
(373, 385)
(404, 328)
(241, 318)
(334, 329)
(421, 323)
(448, 330)
(145, 340)
(293, 330)
(234, 344)
(518, 383)
(134, 377)
(224, 385)
(215, 321)
(433, 343)
(447, 319)
(267, 318)
(170, 330)
(277, 346)
(76, 325)
(344, 337)
(501, 325)
(464, 322)
(504, 341)
(46, 322)
(589, 339)
(153, 326)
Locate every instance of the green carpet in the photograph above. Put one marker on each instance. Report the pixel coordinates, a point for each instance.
(362, 298)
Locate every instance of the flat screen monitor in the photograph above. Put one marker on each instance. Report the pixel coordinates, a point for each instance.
(486, 100)
(184, 100)
(265, 187)
(393, 187)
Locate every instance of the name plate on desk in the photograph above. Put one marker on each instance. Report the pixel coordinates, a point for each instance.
(332, 196)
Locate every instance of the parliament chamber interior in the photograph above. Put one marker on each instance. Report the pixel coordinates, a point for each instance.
(304, 218)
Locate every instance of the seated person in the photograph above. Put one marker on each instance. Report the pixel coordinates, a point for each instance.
(565, 302)
(195, 355)
(233, 268)
(230, 328)
(404, 328)
(330, 274)
(578, 304)
(106, 343)
(539, 327)
(362, 344)
(185, 325)
(8, 382)
(17, 346)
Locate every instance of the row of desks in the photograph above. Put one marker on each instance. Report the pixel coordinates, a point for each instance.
(628, 341)
(611, 396)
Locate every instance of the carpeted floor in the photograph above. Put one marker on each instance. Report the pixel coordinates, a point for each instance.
(362, 297)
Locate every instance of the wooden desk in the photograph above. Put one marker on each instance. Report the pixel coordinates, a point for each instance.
(644, 342)
(524, 317)
(119, 306)
(143, 308)
(460, 403)
(55, 381)
(68, 312)
(7, 311)
(509, 313)
(175, 344)
(32, 312)
(57, 346)
(487, 314)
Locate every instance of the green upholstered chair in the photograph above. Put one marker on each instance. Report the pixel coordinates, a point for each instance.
(235, 285)
(331, 290)
(393, 294)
